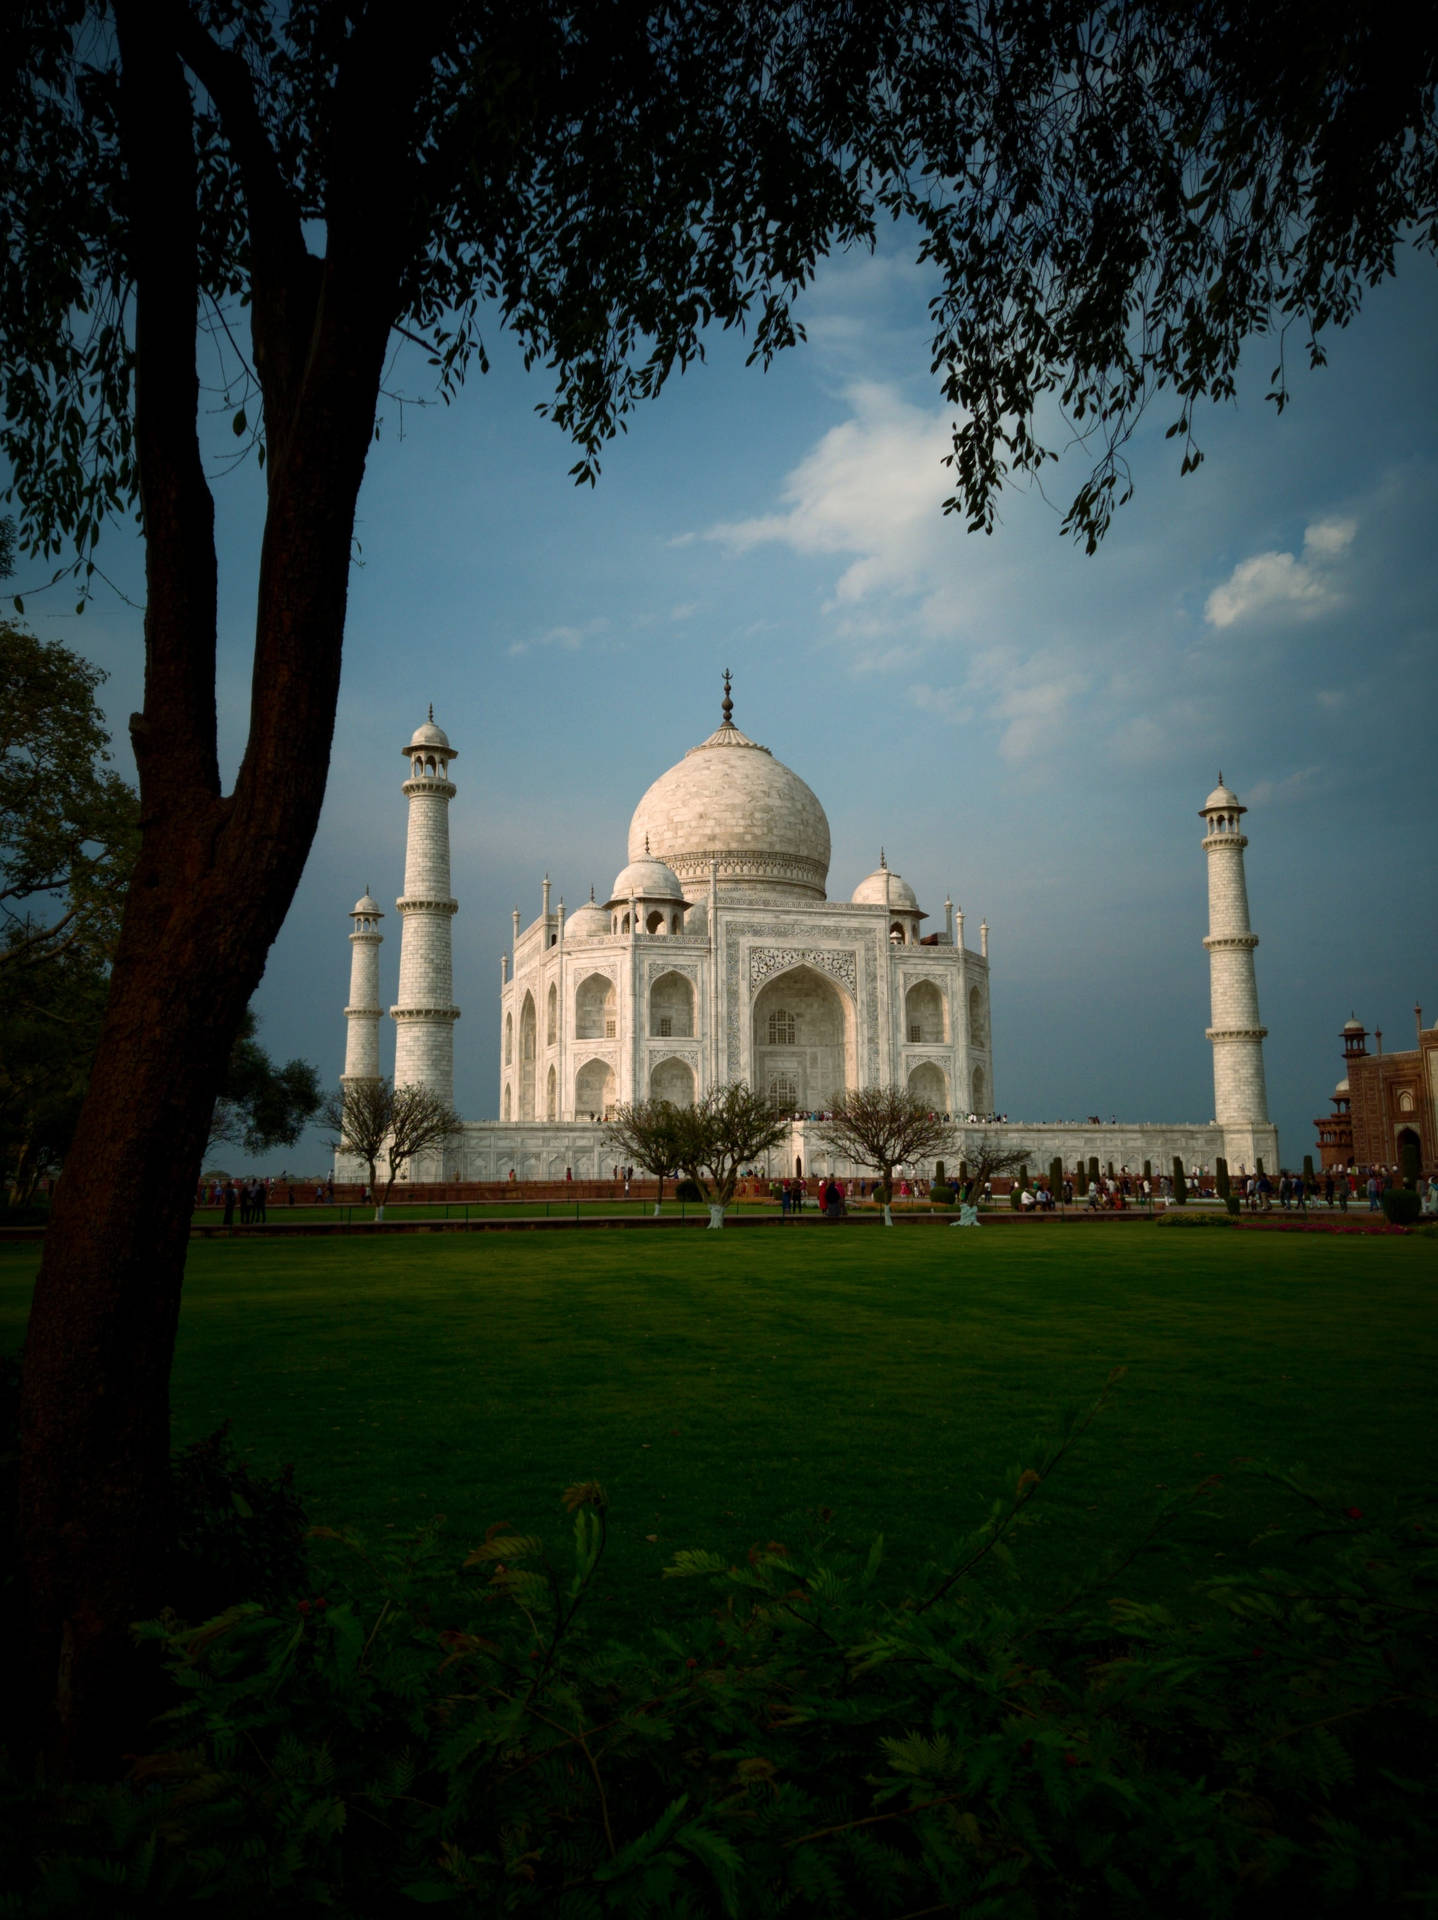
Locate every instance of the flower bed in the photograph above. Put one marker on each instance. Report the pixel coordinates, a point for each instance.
(1367, 1223)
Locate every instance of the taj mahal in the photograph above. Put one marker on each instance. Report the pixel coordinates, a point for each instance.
(718, 955)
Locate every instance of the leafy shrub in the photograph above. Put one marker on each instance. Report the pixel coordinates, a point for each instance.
(1401, 1206)
(687, 1190)
(238, 1532)
(1172, 1217)
(791, 1742)
(1180, 1185)
(941, 1195)
(1222, 1185)
(1232, 1204)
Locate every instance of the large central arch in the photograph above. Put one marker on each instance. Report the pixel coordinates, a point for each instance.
(803, 1039)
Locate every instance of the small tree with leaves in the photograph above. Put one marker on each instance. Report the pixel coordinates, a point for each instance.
(379, 1123)
(883, 1128)
(730, 1126)
(262, 1105)
(1180, 1185)
(651, 1134)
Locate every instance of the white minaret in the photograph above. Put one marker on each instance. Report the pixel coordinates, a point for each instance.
(424, 1014)
(1240, 1096)
(364, 1011)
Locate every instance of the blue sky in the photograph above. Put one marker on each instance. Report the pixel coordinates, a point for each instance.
(1018, 724)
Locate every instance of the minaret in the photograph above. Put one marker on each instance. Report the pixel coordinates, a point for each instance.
(1240, 1096)
(364, 1011)
(424, 1015)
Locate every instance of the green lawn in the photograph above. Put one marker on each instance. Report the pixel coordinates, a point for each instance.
(724, 1388)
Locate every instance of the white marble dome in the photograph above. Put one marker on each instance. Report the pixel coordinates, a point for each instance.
(587, 922)
(1222, 796)
(366, 904)
(730, 801)
(428, 737)
(900, 896)
(1342, 1090)
(645, 879)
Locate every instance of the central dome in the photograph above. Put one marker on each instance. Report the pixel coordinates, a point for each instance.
(731, 802)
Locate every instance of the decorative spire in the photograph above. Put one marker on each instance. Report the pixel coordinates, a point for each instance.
(591, 893)
(1220, 776)
(727, 703)
(646, 846)
(431, 713)
(883, 861)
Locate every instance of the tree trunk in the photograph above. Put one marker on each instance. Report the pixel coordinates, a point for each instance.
(95, 1410)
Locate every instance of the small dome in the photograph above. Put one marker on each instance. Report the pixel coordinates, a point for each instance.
(1354, 1026)
(884, 886)
(1222, 797)
(428, 736)
(366, 904)
(1340, 1092)
(587, 923)
(646, 879)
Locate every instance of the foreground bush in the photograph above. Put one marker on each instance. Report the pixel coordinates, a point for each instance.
(799, 1745)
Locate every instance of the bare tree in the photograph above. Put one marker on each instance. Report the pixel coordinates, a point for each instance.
(883, 1127)
(651, 1134)
(731, 1126)
(990, 1161)
(375, 1121)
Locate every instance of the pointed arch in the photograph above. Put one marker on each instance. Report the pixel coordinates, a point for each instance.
(528, 1056)
(926, 1015)
(814, 1044)
(671, 999)
(595, 1015)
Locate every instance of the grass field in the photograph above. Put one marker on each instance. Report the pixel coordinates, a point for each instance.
(724, 1388)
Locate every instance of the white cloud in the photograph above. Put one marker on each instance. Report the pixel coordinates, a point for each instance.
(1301, 588)
(566, 639)
(872, 487)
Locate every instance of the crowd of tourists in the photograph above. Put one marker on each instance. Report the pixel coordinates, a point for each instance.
(251, 1198)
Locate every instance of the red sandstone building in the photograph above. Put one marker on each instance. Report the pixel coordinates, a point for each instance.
(1384, 1103)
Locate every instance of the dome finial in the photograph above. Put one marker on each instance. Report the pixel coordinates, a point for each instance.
(883, 859)
(646, 846)
(728, 704)
(431, 713)
(591, 893)
(1220, 776)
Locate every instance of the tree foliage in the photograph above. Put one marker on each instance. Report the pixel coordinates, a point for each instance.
(990, 1159)
(380, 1123)
(884, 1128)
(69, 825)
(262, 1105)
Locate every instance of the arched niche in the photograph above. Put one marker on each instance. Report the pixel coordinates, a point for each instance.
(593, 1090)
(528, 1049)
(551, 1016)
(506, 1105)
(594, 1008)
(509, 1039)
(551, 1096)
(656, 922)
(802, 1031)
(978, 1018)
(672, 1080)
(929, 1083)
(926, 1020)
(979, 1091)
(671, 1001)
